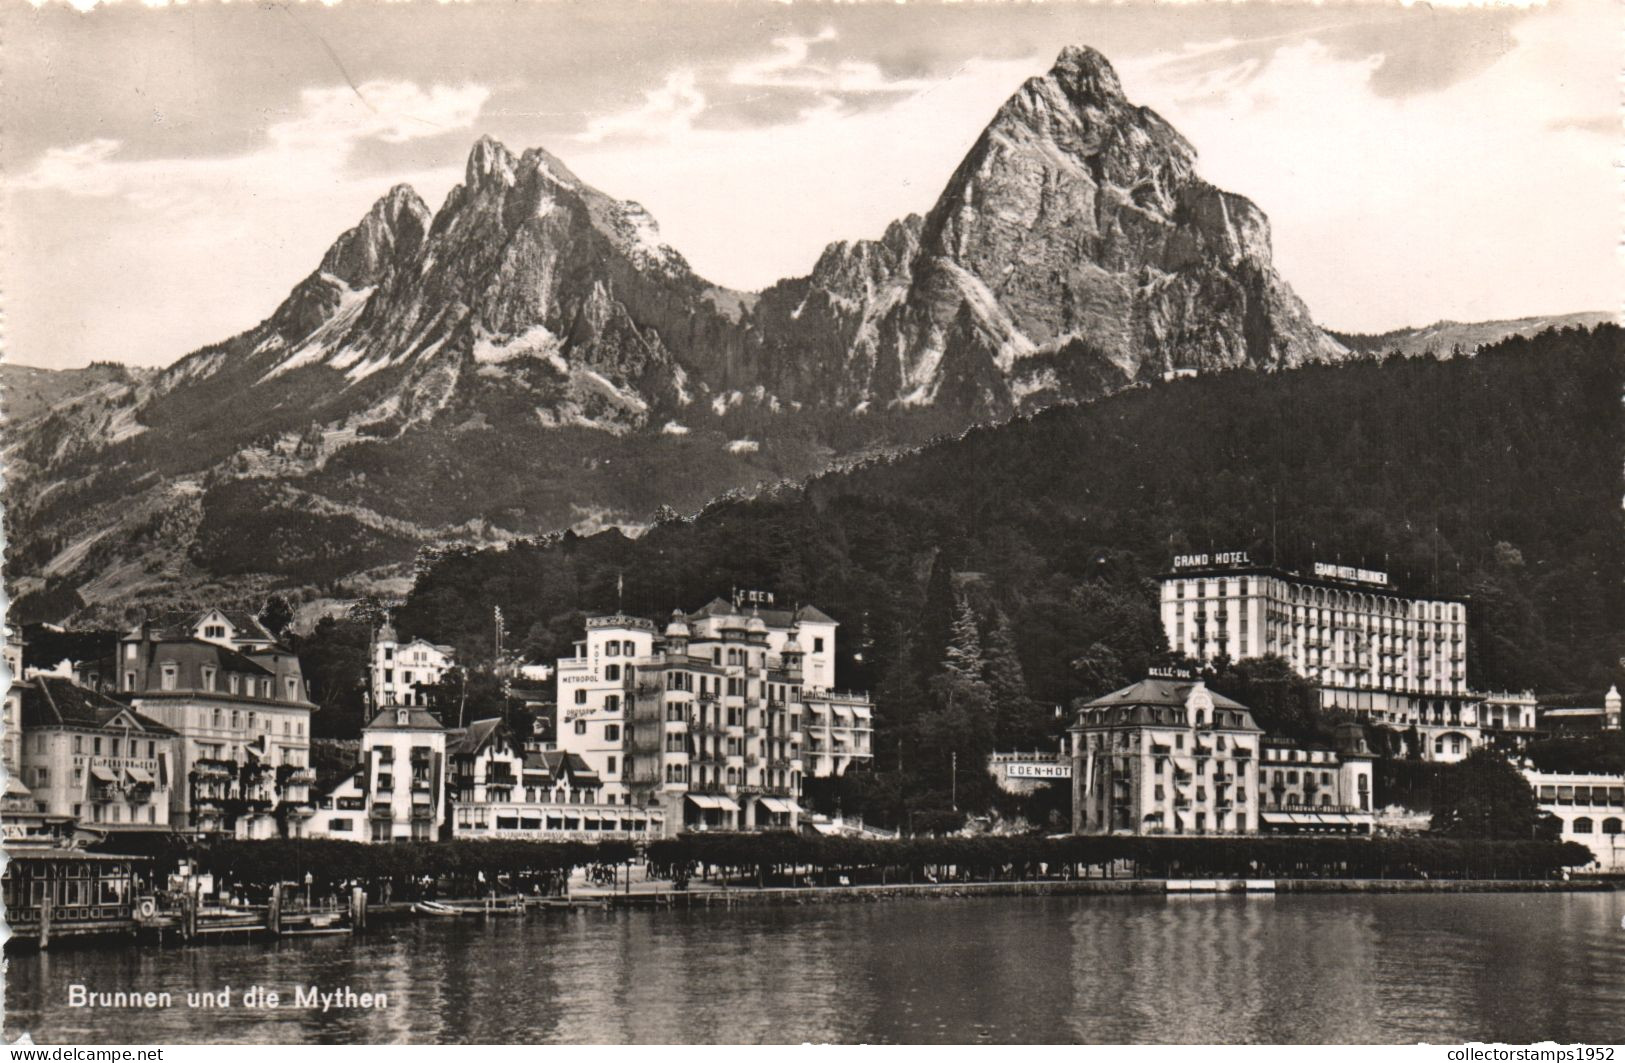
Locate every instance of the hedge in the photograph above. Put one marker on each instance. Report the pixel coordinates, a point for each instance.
(1157, 856)
(331, 861)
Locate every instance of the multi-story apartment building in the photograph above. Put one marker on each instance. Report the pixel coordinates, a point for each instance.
(716, 721)
(1165, 755)
(1389, 656)
(500, 789)
(88, 756)
(237, 702)
(1168, 756)
(1591, 809)
(1305, 789)
(397, 792)
(399, 668)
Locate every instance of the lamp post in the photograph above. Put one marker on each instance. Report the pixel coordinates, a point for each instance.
(309, 879)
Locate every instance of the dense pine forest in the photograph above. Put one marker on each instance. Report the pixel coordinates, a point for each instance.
(987, 581)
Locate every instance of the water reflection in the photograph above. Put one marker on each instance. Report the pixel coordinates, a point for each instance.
(1440, 968)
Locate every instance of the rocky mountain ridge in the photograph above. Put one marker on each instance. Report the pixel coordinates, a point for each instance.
(532, 356)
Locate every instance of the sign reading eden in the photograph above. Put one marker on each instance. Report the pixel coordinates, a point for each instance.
(1362, 575)
(753, 598)
(1039, 771)
(1229, 559)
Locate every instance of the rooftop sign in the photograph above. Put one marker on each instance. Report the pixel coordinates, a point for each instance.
(753, 598)
(1346, 572)
(1232, 559)
(1170, 673)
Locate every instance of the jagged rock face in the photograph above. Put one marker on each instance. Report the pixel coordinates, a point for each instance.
(1074, 250)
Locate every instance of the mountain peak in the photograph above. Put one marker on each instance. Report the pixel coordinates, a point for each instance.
(1086, 74)
(393, 228)
(489, 161)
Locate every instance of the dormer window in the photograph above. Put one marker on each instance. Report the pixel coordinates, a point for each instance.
(168, 676)
(403, 716)
(208, 677)
(233, 683)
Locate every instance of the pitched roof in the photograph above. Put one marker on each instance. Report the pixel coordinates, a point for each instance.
(777, 618)
(179, 625)
(56, 701)
(417, 719)
(227, 657)
(554, 762)
(1161, 703)
(478, 735)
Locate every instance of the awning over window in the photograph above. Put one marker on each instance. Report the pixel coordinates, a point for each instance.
(727, 804)
(778, 804)
(102, 774)
(140, 775)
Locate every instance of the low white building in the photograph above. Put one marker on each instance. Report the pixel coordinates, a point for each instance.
(399, 668)
(398, 790)
(1591, 808)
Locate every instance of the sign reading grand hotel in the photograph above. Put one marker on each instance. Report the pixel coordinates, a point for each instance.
(1360, 575)
(1231, 559)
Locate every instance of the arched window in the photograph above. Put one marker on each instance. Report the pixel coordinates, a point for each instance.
(1611, 825)
(1582, 825)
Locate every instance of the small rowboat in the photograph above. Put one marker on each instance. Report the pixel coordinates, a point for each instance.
(436, 908)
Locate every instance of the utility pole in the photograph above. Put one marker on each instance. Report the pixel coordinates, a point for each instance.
(953, 783)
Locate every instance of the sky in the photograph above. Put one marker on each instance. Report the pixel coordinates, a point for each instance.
(169, 173)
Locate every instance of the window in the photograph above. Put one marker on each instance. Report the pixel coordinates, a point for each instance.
(612, 648)
(612, 733)
(611, 766)
(581, 697)
(208, 677)
(78, 743)
(340, 826)
(818, 645)
(1612, 826)
(115, 746)
(1583, 825)
(389, 653)
(95, 745)
(386, 783)
(612, 672)
(169, 675)
(581, 727)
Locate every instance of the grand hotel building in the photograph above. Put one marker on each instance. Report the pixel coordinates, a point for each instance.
(1399, 659)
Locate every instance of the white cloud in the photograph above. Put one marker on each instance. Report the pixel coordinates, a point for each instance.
(317, 140)
(667, 112)
(791, 66)
(149, 258)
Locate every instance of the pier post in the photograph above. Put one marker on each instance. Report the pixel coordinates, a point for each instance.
(46, 904)
(358, 908)
(273, 913)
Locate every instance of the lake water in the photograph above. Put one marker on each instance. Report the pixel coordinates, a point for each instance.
(1328, 968)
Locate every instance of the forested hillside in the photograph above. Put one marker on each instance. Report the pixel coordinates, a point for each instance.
(1013, 568)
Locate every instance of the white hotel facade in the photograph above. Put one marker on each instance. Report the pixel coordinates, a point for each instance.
(715, 720)
(1392, 657)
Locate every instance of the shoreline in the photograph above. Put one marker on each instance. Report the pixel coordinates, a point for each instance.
(800, 895)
